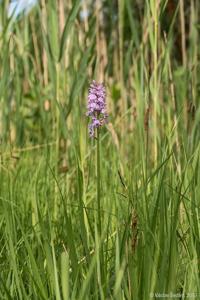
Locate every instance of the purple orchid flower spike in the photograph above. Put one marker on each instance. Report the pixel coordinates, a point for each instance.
(96, 106)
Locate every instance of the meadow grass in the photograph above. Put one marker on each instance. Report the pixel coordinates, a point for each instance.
(139, 238)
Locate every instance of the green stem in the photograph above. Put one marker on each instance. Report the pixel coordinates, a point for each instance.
(57, 137)
(98, 183)
(99, 209)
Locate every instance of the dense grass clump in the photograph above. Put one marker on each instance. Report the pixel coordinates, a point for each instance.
(111, 217)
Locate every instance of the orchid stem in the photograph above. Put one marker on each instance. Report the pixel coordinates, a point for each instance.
(98, 183)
